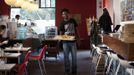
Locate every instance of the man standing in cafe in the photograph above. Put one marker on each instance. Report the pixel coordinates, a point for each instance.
(68, 27)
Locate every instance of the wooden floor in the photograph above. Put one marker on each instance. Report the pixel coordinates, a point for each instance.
(56, 66)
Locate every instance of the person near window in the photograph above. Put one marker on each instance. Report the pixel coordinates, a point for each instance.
(3, 41)
(17, 17)
(69, 27)
(105, 22)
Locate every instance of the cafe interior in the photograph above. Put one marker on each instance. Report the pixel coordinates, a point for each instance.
(32, 44)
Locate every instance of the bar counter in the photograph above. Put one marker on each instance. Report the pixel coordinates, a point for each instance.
(124, 49)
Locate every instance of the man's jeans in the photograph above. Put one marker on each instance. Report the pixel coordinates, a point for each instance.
(70, 47)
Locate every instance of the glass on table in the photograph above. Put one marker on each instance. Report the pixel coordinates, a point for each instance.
(19, 45)
(1, 52)
(2, 59)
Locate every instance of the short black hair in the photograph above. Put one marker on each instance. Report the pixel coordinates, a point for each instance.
(2, 27)
(65, 10)
(17, 16)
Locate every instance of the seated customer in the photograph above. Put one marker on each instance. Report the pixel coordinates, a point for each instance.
(34, 43)
(3, 41)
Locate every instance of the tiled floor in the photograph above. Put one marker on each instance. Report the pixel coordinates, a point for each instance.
(56, 66)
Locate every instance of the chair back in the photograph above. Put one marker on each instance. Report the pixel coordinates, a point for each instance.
(42, 53)
(34, 43)
(126, 63)
(99, 51)
(22, 67)
(93, 46)
(27, 56)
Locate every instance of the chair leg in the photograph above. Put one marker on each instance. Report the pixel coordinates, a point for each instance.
(97, 64)
(108, 69)
(94, 53)
(26, 71)
(118, 67)
(44, 67)
(40, 67)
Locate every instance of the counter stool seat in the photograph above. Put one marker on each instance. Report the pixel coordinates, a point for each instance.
(100, 65)
(125, 64)
(113, 56)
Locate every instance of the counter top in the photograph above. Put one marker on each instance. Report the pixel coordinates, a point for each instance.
(123, 48)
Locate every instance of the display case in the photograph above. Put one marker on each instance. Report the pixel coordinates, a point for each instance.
(51, 31)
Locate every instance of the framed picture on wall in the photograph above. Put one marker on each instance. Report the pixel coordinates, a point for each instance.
(77, 17)
(127, 10)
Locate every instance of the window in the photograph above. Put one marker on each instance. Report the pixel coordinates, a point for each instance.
(47, 3)
(44, 16)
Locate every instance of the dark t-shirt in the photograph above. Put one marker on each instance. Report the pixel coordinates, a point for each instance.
(68, 27)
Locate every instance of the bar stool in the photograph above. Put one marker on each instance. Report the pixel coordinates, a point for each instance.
(101, 46)
(104, 48)
(100, 52)
(100, 65)
(125, 64)
(93, 50)
(112, 56)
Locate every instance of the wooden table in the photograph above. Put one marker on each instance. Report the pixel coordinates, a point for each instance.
(23, 49)
(6, 68)
(124, 49)
(10, 55)
(7, 56)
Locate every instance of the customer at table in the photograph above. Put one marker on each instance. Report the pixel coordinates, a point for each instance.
(3, 41)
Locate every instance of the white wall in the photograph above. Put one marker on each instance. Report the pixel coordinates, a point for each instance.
(117, 11)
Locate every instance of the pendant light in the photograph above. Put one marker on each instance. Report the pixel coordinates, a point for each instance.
(10, 2)
(19, 3)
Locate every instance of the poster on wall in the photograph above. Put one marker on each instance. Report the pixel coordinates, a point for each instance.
(88, 22)
(127, 10)
(77, 17)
